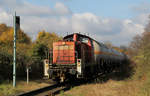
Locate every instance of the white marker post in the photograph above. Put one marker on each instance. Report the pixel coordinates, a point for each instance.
(27, 75)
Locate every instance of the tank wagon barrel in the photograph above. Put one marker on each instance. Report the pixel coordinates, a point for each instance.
(79, 56)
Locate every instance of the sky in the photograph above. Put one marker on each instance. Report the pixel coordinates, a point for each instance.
(116, 21)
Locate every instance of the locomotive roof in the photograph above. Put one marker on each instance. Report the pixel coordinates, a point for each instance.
(79, 34)
(70, 35)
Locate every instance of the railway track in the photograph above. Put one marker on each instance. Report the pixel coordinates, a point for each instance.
(51, 90)
(55, 89)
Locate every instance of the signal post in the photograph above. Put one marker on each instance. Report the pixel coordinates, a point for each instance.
(16, 24)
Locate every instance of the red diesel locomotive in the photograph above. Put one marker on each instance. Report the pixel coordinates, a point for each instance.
(79, 56)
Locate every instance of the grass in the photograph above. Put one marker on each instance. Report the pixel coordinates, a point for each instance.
(138, 84)
(7, 89)
(110, 88)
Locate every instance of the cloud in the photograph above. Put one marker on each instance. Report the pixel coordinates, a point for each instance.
(24, 8)
(142, 12)
(8, 2)
(60, 9)
(142, 8)
(142, 18)
(35, 18)
(35, 10)
(5, 17)
(117, 31)
(34, 24)
(88, 22)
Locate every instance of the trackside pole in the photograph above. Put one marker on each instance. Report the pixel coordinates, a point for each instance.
(14, 60)
(16, 25)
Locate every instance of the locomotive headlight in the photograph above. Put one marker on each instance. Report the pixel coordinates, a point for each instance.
(63, 43)
(78, 62)
(79, 66)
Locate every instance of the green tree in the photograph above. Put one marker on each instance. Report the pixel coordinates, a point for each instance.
(39, 51)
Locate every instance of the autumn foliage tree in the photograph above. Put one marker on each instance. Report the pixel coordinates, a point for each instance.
(28, 53)
(6, 51)
(47, 38)
(139, 51)
(40, 49)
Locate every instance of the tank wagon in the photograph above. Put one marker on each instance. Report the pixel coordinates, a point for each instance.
(79, 56)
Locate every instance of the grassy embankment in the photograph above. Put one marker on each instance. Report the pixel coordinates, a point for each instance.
(138, 84)
(6, 89)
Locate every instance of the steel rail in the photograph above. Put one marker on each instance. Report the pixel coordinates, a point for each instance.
(40, 90)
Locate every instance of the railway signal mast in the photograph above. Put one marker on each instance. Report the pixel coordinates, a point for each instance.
(16, 23)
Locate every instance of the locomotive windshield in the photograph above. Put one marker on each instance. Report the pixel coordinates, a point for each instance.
(70, 38)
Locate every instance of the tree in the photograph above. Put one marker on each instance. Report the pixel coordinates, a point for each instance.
(6, 50)
(39, 51)
(139, 51)
(6, 37)
(3, 28)
(47, 38)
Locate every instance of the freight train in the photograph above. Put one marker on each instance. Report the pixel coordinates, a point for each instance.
(79, 56)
